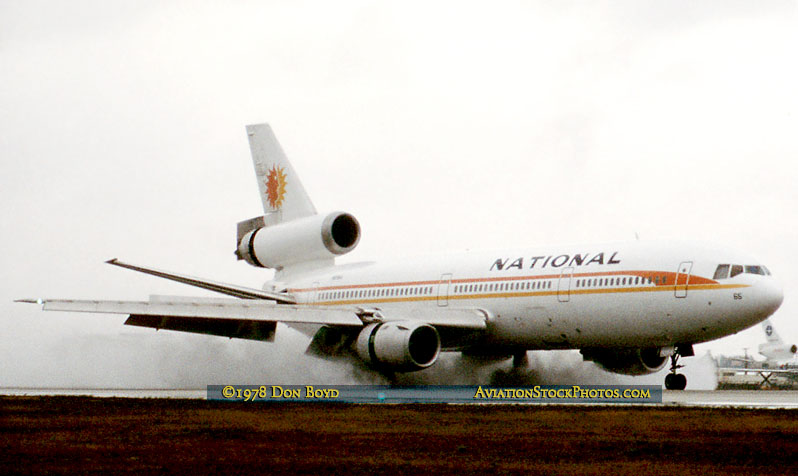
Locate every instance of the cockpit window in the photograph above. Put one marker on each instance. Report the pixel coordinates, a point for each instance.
(755, 270)
(722, 271)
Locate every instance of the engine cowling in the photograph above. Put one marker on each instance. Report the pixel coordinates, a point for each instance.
(306, 239)
(402, 346)
(627, 361)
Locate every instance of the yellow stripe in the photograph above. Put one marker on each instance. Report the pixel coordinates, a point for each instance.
(599, 274)
(669, 288)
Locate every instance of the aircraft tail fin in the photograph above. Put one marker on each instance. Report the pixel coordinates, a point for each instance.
(770, 333)
(283, 196)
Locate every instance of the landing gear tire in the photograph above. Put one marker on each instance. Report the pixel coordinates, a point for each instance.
(675, 381)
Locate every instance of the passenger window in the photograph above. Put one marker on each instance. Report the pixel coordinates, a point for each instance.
(735, 270)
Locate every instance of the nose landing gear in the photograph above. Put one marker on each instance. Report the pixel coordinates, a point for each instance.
(676, 381)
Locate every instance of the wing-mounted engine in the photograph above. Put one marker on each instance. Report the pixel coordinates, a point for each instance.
(313, 238)
(627, 361)
(401, 346)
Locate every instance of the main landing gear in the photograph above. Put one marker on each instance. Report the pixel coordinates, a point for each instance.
(675, 381)
(520, 360)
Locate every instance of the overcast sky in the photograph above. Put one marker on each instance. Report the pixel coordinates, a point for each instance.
(439, 125)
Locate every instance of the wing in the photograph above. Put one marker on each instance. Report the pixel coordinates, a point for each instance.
(751, 370)
(256, 319)
(241, 318)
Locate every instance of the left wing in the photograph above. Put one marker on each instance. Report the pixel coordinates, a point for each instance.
(254, 319)
(242, 318)
(760, 370)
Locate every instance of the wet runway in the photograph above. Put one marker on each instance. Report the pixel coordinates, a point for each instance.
(700, 398)
(732, 398)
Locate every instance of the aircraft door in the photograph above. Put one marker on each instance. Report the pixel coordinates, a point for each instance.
(564, 286)
(314, 295)
(443, 289)
(682, 278)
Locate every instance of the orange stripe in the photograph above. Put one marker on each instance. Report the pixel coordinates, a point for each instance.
(527, 294)
(670, 279)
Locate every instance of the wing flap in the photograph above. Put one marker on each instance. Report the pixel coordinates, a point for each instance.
(238, 328)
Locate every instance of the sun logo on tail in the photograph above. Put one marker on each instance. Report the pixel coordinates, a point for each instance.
(275, 187)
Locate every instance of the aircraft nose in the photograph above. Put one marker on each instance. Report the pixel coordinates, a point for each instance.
(772, 295)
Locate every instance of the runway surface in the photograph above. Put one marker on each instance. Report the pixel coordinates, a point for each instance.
(81, 435)
(701, 398)
(732, 398)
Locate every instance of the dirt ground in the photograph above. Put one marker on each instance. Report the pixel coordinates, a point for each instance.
(125, 435)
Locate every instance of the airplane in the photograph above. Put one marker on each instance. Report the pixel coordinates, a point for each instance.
(775, 350)
(628, 307)
(779, 359)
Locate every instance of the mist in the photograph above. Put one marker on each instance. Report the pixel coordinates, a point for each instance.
(148, 359)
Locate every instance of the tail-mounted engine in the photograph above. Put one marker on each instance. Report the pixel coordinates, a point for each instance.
(627, 361)
(402, 346)
(312, 238)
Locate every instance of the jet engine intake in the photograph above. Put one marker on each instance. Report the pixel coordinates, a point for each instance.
(402, 346)
(627, 361)
(313, 238)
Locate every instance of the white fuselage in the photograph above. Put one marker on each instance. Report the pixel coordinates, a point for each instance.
(638, 294)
